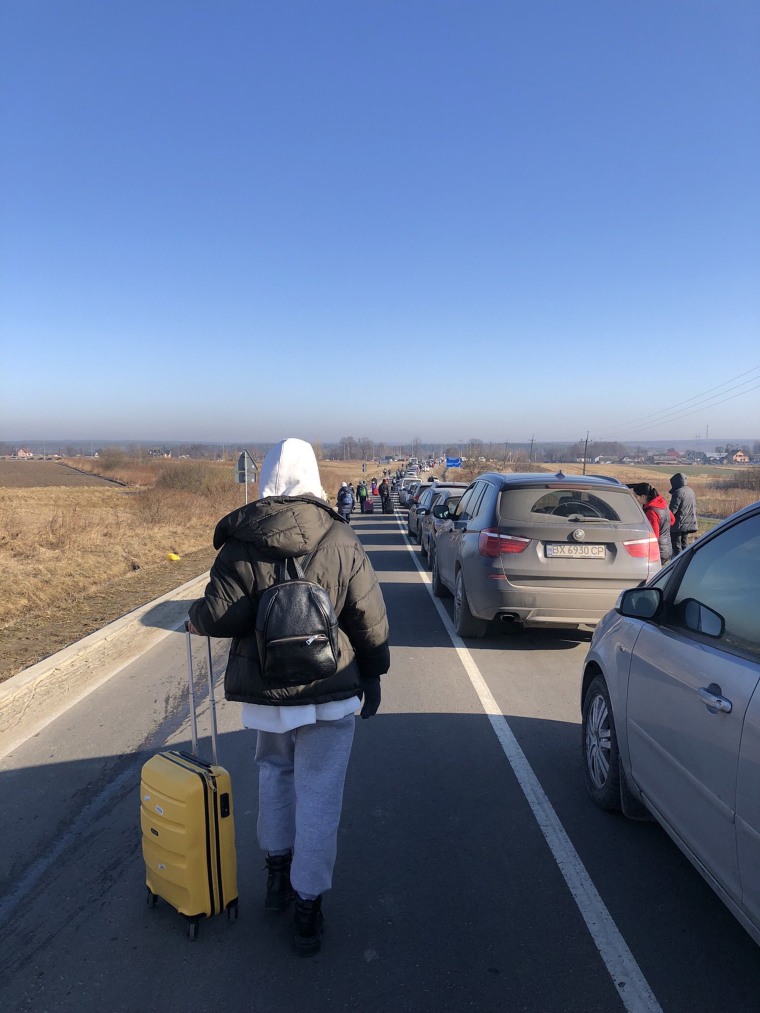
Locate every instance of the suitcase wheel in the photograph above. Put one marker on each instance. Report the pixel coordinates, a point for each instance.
(193, 925)
(152, 898)
(232, 910)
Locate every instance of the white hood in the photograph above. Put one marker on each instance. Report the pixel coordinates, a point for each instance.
(290, 469)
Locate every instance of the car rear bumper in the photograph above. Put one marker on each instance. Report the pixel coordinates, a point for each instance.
(544, 607)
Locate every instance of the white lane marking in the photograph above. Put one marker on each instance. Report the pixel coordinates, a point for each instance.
(627, 977)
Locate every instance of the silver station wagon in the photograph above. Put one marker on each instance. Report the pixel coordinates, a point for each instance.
(541, 550)
(671, 708)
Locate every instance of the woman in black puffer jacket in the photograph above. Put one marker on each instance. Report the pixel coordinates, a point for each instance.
(304, 730)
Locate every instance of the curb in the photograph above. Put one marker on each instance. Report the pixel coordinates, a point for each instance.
(34, 697)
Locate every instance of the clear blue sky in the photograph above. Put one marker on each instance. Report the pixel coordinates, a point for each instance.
(249, 219)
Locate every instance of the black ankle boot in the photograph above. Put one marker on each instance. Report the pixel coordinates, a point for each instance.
(308, 926)
(279, 891)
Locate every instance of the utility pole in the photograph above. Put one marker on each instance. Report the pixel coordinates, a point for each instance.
(530, 455)
(585, 453)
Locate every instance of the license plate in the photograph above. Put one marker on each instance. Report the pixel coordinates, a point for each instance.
(576, 551)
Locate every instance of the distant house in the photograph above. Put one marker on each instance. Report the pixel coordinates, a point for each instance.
(24, 455)
(739, 457)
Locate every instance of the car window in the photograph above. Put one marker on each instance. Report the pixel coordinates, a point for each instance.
(560, 505)
(464, 503)
(724, 574)
(425, 499)
(471, 507)
(478, 498)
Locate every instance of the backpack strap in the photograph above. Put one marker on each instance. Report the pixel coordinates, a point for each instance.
(291, 568)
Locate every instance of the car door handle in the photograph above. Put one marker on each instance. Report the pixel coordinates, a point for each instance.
(711, 698)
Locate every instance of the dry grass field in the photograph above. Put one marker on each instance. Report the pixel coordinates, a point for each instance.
(79, 548)
(83, 543)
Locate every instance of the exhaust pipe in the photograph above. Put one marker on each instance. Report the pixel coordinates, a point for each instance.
(509, 617)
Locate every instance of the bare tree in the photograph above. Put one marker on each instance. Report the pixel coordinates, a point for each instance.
(366, 447)
(348, 447)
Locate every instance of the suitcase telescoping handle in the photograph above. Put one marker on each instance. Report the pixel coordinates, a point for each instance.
(212, 701)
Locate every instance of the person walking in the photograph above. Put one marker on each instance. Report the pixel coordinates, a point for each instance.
(683, 505)
(659, 516)
(304, 730)
(345, 502)
(385, 496)
(362, 494)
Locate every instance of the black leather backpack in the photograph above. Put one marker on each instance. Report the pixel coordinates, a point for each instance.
(296, 629)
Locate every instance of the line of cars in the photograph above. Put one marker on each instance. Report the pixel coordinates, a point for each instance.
(670, 697)
(532, 550)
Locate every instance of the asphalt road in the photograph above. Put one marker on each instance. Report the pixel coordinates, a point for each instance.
(473, 871)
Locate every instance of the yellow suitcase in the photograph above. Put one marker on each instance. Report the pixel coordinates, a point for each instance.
(187, 822)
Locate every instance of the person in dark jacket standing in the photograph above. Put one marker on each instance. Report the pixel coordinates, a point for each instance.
(659, 516)
(683, 505)
(304, 731)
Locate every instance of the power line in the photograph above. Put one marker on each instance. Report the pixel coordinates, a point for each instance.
(653, 416)
(701, 408)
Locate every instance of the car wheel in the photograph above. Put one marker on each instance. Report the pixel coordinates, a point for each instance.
(423, 548)
(465, 623)
(437, 586)
(600, 748)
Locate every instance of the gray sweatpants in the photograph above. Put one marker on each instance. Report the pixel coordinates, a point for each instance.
(301, 778)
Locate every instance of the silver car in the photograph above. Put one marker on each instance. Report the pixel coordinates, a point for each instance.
(444, 497)
(406, 490)
(671, 712)
(541, 550)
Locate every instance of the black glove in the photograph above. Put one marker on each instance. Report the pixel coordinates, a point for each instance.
(371, 690)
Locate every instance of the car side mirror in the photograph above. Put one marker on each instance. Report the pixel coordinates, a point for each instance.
(639, 602)
(701, 619)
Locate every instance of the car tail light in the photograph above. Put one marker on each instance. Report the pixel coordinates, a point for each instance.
(492, 543)
(644, 548)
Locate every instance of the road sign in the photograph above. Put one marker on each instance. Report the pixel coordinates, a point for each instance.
(364, 467)
(246, 471)
(453, 462)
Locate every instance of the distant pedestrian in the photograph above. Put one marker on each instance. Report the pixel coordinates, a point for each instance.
(659, 516)
(385, 496)
(362, 494)
(345, 502)
(683, 504)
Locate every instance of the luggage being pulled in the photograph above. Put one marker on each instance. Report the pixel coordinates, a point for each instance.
(369, 506)
(187, 821)
(388, 505)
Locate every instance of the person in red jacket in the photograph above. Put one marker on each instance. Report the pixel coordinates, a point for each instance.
(658, 514)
